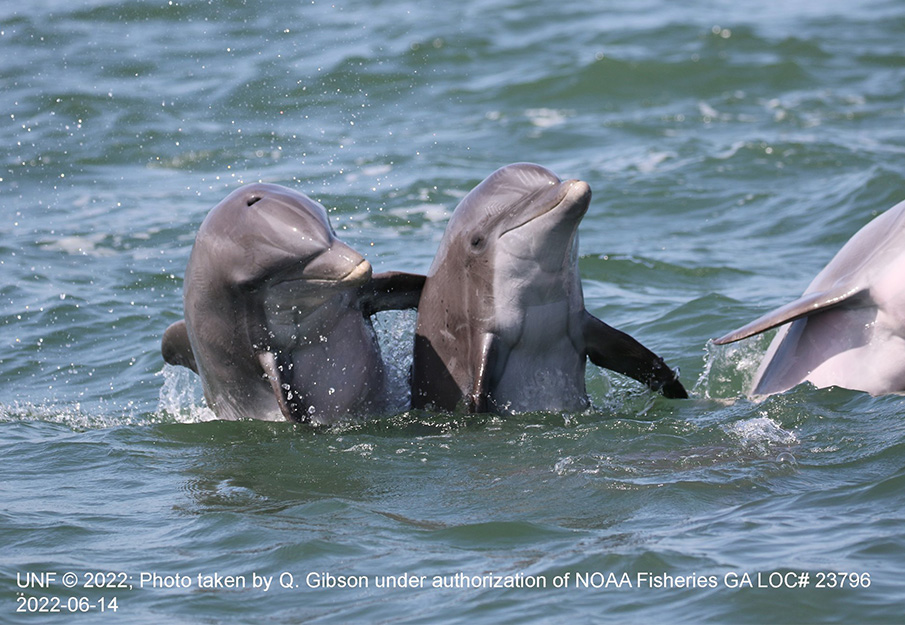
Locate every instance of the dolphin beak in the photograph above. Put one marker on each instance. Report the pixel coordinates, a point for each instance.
(339, 263)
(578, 194)
(570, 199)
(359, 275)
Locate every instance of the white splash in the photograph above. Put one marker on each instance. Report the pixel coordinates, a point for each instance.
(181, 397)
(761, 434)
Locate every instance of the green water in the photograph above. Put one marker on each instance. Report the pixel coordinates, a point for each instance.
(731, 150)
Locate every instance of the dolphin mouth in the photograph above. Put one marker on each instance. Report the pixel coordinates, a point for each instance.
(318, 275)
(568, 194)
(359, 275)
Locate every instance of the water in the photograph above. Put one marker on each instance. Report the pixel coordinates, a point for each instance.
(731, 150)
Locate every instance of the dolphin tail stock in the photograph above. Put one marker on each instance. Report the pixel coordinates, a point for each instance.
(612, 349)
(175, 347)
(804, 306)
(390, 290)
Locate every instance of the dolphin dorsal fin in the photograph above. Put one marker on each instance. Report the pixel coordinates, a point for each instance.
(175, 347)
(804, 306)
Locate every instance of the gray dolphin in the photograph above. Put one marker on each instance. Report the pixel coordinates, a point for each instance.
(848, 328)
(501, 322)
(277, 312)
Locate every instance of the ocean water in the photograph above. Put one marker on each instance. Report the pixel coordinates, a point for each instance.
(731, 147)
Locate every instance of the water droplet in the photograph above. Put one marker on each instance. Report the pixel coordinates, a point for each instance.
(786, 458)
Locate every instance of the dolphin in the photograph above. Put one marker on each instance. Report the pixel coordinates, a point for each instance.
(501, 322)
(277, 312)
(848, 328)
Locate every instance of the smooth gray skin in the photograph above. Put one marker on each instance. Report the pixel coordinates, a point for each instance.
(848, 328)
(502, 325)
(277, 312)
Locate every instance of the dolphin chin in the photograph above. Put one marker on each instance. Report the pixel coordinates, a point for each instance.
(359, 275)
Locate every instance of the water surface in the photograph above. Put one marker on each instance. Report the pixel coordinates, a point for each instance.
(731, 151)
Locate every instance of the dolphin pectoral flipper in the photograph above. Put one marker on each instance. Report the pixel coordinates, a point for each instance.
(479, 399)
(175, 346)
(390, 290)
(804, 306)
(269, 363)
(612, 349)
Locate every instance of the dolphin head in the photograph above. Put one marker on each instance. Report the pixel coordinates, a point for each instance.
(266, 235)
(520, 220)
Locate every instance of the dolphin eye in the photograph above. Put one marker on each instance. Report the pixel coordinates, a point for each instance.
(477, 241)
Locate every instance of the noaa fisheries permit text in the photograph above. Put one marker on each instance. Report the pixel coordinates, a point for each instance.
(110, 591)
